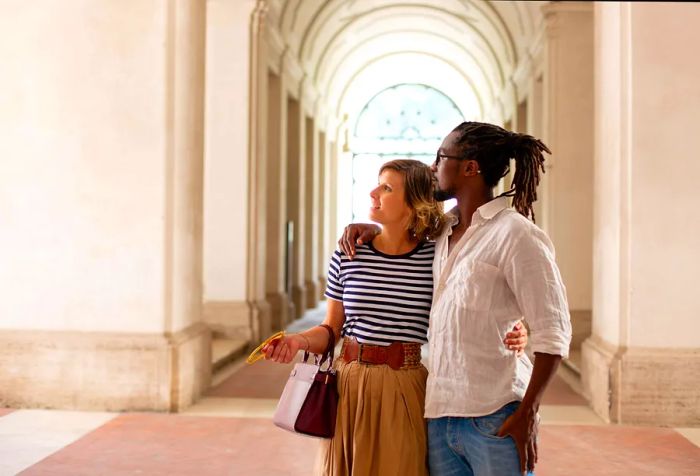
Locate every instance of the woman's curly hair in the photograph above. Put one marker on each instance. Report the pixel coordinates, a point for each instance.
(427, 218)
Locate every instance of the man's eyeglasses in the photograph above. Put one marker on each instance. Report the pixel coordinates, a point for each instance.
(439, 156)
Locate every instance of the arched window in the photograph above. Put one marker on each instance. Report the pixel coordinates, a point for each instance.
(403, 121)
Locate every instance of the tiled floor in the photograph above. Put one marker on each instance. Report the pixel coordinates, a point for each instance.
(616, 450)
(28, 436)
(264, 379)
(153, 444)
(229, 432)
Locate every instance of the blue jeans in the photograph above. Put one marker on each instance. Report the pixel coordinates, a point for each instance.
(470, 447)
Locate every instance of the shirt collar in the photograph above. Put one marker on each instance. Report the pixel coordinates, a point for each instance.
(486, 211)
(490, 209)
(452, 217)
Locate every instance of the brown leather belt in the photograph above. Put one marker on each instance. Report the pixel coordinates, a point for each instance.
(398, 355)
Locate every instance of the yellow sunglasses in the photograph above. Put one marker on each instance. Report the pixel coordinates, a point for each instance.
(257, 353)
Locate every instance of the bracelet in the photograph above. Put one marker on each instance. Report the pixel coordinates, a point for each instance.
(308, 343)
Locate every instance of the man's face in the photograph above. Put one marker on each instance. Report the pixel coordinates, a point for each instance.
(446, 169)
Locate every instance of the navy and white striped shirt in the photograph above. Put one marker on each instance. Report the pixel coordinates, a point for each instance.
(386, 298)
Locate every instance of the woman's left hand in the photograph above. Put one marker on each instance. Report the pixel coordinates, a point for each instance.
(517, 338)
(285, 349)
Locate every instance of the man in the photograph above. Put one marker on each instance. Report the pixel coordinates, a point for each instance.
(492, 266)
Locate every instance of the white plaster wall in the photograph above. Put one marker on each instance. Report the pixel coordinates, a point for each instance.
(665, 114)
(82, 165)
(226, 149)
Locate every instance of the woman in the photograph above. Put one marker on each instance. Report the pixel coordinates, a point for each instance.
(380, 303)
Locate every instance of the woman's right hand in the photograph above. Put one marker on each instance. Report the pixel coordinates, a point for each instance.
(359, 233)
(284, 350)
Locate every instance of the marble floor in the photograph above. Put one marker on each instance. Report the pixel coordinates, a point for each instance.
(229, 432)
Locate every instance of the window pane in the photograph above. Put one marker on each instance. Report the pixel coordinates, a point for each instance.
(404, 121)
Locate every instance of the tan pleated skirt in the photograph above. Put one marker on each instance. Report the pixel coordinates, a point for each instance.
(380, 429)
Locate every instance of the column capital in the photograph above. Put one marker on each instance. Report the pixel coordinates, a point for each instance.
(259, 16)
(293, 73)
(310, 96)
(275, 47)
(554, 12)
(553, 8)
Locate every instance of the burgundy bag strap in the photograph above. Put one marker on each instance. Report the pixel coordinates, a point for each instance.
(330, 348)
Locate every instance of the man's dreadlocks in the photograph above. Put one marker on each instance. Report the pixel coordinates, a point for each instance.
(492, 147)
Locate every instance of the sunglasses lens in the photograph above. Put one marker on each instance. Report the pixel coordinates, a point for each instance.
(257, 354)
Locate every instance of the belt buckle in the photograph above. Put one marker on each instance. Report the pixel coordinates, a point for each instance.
(359, 353)
(360, 359)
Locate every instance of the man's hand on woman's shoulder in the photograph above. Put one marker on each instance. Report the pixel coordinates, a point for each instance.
(357, 233)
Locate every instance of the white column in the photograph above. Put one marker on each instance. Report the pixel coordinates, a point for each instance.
(568, 183)
(296, 185)
(101, 184)
(332, 193)
(535, 127)
(276, 210)
(227, 308)
(642, 363)
(311, 204)
(322, 252)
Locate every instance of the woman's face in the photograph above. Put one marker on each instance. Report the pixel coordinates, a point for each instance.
(388, 204)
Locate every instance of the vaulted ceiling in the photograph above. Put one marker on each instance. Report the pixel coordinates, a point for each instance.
(351, 49)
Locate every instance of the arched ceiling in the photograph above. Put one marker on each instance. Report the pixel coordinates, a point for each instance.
(351, 49)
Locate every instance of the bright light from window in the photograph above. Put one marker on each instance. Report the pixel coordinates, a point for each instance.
(407, 121)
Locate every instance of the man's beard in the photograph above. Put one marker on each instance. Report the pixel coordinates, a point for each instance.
(442, 195)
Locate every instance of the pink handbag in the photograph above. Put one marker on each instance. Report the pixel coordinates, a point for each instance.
(309, 401)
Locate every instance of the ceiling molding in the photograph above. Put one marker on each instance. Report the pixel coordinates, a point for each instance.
(467, 79)
(493, 48)
(358, 46)
(293, 73)
(275, 48)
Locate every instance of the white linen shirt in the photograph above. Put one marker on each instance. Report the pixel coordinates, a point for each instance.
(500, 270)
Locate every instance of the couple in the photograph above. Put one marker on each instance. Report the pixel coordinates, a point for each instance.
(469, 276)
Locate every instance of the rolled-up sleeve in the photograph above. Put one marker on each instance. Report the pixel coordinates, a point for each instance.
(534, 278)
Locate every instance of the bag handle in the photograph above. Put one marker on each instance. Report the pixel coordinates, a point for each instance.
(330, 348)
